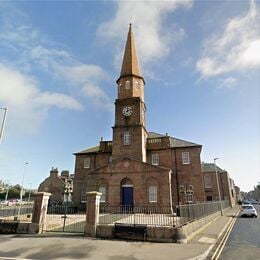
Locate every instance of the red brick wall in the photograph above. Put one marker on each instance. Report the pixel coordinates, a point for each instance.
(187, 175)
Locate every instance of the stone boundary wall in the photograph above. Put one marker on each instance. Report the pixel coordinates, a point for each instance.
(93, 229)
(165, 234)
(188, 231)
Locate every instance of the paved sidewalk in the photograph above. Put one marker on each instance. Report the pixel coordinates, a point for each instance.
(75, 247)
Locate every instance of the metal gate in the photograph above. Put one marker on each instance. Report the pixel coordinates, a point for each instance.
(64, 219)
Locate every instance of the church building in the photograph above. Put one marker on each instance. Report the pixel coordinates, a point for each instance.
(138, 167)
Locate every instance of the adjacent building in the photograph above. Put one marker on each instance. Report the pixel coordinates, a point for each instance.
(238, 194)
(55, 185)
(226, 184)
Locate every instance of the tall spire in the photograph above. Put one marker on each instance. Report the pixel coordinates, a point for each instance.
(130, 65)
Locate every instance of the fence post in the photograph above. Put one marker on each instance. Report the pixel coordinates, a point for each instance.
(41, 200)
(92, 213)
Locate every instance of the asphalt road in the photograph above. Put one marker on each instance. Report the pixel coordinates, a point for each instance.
(244, 240)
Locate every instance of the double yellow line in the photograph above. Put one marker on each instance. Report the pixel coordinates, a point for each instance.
(224, 239)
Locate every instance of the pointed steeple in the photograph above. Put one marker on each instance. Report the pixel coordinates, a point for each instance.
(130, 65)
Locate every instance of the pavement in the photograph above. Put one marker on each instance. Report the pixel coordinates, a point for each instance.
(60, 246)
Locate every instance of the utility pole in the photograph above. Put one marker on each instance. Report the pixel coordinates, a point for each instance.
(7, 190)
(21, 192)
(30, 190)
(3, 122)
(216, 170)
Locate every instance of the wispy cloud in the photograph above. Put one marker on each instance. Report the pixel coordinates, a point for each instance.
(229, 82)
(237, 48)
(21, 92)
(88, 77)
(153, 38)
(27, 56)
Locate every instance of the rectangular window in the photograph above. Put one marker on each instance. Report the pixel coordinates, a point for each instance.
(127, 138)
(83, 196)
(152, 193)
(185, 158)
(86, 163)
(209, 198)
(102, 190)
(207, 181)
(189, 196)
(155, 159)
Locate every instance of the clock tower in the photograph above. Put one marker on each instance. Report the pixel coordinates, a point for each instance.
(129, 131)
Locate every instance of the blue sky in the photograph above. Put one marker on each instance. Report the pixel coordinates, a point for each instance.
(59, 62)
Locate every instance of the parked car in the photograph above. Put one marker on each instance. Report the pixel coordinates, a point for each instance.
(248, 210)
(254, 202)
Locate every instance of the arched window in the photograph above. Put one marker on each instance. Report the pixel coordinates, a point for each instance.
(126, 183)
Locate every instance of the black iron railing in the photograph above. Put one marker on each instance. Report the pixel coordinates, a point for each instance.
(16, 212)
(148, 215)
(158, 215)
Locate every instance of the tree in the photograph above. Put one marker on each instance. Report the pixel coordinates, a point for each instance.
(256, 192)
(253, 194)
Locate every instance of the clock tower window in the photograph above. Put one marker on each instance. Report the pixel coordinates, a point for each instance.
(137, 84)
(127, 138)
(127, 84)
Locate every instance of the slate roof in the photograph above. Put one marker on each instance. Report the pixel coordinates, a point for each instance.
(210, 167)
(93, 149)
(175, 143)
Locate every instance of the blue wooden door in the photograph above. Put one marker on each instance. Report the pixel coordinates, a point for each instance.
(127, 196)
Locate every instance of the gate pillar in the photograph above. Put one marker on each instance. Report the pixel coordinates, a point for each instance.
(92, 213)
(40, 207)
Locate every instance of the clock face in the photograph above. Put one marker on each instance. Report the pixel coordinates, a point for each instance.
(127, 111)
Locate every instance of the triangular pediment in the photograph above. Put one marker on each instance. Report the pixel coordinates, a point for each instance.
(129, 165)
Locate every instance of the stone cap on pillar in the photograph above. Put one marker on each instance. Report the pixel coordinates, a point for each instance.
(41, 193)
(93, 193)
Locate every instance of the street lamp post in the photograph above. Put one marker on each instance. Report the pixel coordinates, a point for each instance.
(3, 122)
(216, 170)
(21, 191)
(30, 190)
(7, 191)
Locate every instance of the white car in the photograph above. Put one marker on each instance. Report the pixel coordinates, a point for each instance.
(248, 210)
